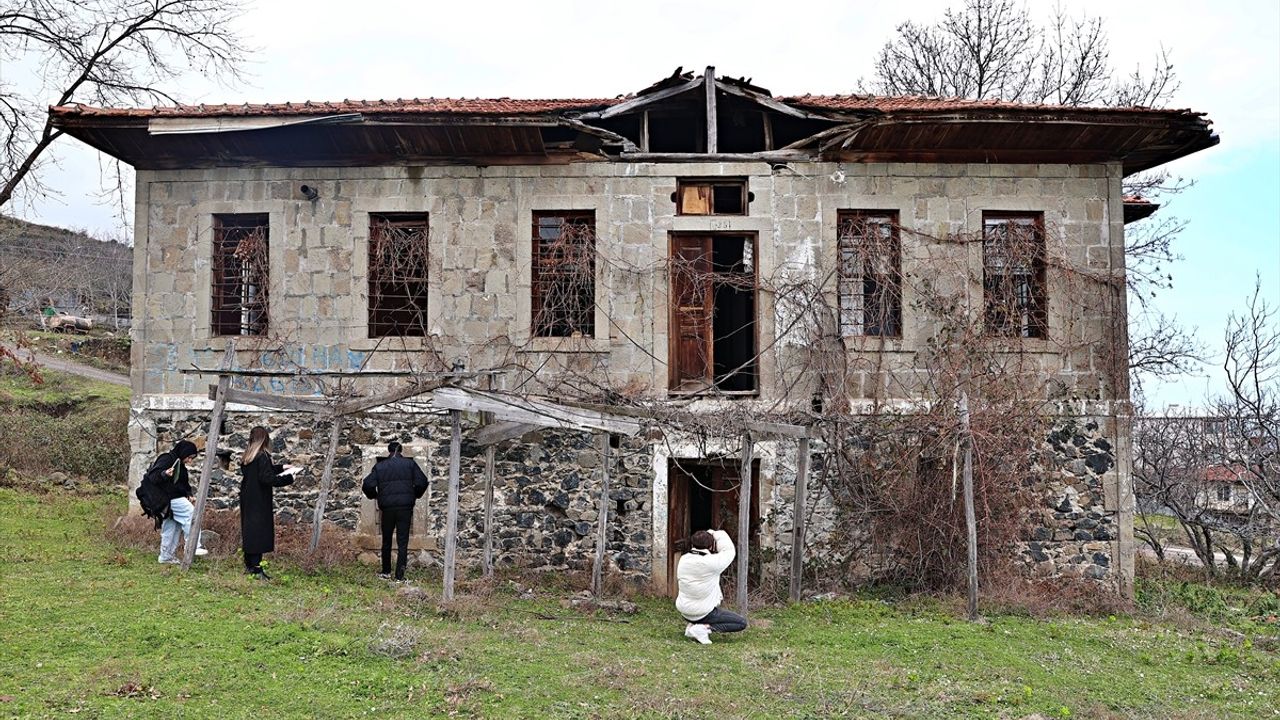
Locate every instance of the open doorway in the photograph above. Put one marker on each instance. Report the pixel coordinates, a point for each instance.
(713, 313)
(702, 495)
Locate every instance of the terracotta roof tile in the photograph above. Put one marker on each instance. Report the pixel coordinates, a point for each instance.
(514, 106)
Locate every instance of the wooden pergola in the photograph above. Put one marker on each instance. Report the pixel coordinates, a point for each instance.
(504, 416)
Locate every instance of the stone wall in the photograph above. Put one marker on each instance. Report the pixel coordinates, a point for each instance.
(546, 486)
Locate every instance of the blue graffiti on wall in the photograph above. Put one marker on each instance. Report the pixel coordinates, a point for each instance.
(299, 358)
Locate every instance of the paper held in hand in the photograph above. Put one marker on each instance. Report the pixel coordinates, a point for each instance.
(291, 470)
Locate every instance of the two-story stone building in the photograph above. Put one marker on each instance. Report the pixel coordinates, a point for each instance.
(654, 247)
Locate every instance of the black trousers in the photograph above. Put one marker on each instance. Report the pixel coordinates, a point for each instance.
(723, 621)
(397, 519)
(252, 561)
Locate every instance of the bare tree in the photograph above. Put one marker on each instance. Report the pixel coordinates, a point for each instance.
(996, 49)
(102, 52)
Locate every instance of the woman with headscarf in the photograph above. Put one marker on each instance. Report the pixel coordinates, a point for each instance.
(257, 511)
(168, 474)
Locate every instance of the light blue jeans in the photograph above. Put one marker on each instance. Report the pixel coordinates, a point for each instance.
(180, 522)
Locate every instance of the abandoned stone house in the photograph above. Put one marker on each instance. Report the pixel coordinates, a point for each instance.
(653, 247)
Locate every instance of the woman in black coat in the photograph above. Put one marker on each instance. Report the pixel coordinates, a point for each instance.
(257, 513)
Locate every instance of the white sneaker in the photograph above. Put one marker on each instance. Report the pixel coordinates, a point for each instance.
(170, 561)
(201, 551)
(701, 633)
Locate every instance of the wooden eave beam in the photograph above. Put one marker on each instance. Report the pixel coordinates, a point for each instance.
(534, 412)
(643, 101)
(501, 431)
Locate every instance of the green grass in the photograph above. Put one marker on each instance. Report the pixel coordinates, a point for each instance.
(58, 390)
(92, 628)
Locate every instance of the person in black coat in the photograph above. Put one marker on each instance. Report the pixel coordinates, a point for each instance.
(257, 512)
(168, 475)
(396, 482)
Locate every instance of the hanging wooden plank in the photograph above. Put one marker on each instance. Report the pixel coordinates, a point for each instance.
(268, 400)
(970, 522)
(210, 456)
(495, 433)
(797, 515)
(744, 521)
(602, 522)
(534, 412)
(451, 515)
(326, 482)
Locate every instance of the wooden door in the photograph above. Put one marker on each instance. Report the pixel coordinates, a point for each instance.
(692, 301)
(677, 521)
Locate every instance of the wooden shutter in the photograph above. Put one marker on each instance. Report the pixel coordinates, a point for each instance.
(692, 301)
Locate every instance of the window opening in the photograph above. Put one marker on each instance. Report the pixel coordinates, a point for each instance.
(240, 274)
(398, 275)
(563, 287)
(712, 197)
(870, 277)
(1013, 267)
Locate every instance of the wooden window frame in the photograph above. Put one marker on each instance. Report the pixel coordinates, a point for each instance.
(236, 297)
(674, 325)
(684, 184)
(379, 327)
(1033, 322)
(855, 285)
(543, 326)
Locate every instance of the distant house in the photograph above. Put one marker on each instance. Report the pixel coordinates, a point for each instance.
(619, 248)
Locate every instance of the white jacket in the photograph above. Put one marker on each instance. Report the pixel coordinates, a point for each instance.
(698, 573)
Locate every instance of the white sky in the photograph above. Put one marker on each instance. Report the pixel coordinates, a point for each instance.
(1227, 55)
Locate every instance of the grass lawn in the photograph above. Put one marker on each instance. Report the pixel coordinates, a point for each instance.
(96, 630)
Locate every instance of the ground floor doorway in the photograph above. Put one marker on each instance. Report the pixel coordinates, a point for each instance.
(702, 495)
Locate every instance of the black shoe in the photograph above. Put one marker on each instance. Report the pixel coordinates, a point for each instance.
(259, 574)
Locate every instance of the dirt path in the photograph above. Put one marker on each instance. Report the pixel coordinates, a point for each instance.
(57, 364)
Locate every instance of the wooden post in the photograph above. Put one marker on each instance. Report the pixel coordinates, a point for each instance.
(709, 78)
(971, 524)
(210, 456)
(744, 521)
(489, 451)
(326, 481)
(451, 516)
(797, 521)
(602, 523)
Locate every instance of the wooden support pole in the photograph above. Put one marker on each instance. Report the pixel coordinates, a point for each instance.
(709, 78)
(602, 523)
(488, 510)
(797, 520)
(970, 522)
(326, 482)
(210, 456)
(451, 516)
(744, 521)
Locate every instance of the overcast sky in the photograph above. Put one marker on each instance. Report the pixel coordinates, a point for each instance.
(1227, 56)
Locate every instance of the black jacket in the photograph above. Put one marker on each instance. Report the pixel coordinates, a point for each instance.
(396, 482)
(176, 485)
(257, 510)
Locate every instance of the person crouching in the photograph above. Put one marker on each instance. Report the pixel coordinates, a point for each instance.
(169, 473)
(396, 482)
(698, 574)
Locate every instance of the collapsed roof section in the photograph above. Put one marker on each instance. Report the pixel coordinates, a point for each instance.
(683, 117)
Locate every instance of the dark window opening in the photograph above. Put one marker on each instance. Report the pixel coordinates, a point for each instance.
(713, 314)
(1224, 493)
(712, 197)
(241, 274)
(398, 275)
(870, 277)
(563, 288)
(1013, 274)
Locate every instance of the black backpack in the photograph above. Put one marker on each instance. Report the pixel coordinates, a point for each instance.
(152, 496)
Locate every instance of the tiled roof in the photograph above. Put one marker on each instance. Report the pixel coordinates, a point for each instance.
(1136, 200)
(413, 106)
(928, 103)
(510, 106)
